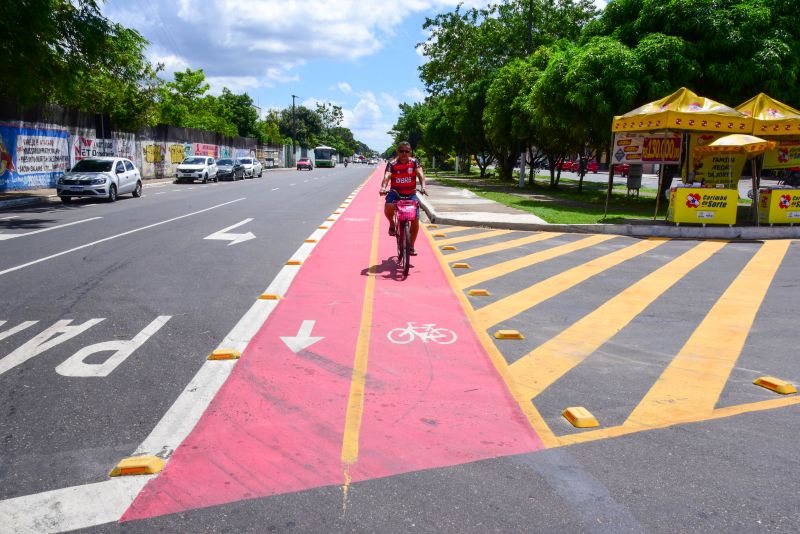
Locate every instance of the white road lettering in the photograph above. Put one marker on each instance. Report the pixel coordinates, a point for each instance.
(60, 332)
(76, 365)
(5, 237)
(222, 235)
(19, 328)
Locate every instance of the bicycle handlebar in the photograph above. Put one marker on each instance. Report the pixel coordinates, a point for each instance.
(386, 192)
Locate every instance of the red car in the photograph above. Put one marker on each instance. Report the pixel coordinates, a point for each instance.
(620, 168)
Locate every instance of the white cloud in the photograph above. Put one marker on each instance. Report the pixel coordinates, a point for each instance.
(345, 88)
(264, 39)
(415, 94)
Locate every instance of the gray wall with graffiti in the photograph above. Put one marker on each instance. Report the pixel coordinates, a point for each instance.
(37, 145)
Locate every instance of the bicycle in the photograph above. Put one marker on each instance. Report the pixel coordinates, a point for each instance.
(405, 213)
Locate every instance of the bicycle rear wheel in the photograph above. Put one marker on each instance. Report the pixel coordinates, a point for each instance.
(406, 248)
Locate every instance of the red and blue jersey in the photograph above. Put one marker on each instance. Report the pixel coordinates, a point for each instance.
(404, 176)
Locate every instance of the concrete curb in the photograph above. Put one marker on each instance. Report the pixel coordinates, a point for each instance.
(748, 233)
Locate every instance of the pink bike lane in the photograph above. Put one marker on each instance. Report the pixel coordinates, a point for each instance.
(356, 404)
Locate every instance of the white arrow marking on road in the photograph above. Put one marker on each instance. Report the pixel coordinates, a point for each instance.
(233, 238)
(303, 339)
(4, 237)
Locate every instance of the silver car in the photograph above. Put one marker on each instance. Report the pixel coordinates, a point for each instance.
(203, 168)
(252, 167)
(104, 177)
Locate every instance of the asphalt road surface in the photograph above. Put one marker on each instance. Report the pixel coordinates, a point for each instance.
(368, 403)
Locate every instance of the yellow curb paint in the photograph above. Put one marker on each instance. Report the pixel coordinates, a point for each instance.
(498, 247)
(439, 235)
(508, 334)
(535, 419)
(449, 247)
(479, 293)
(452, 229)
(310, 241)
(433, 226)
(294, 262)
(693, 381)
(543, 366)
(518, 302)
(323, 227)
(775, 384)
(580, 417)
(502, 269)
(461, 266)
(355, 402)
(473, 237)
(269, 296)
(137, 465)
(330, 219)
(225, 354)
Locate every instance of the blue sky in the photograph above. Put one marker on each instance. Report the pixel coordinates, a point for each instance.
(356, 54)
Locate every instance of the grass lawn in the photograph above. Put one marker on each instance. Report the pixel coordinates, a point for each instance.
(564, 204)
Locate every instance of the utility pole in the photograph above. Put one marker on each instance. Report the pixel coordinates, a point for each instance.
(294, 130)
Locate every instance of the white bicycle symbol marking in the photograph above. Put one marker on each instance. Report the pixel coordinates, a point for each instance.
(426, 332)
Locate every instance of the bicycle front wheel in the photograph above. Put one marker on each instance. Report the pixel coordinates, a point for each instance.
(406, 248)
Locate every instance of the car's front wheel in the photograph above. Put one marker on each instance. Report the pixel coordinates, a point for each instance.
(137, 192)
(66, 200)
(205, 178)
(112, 193)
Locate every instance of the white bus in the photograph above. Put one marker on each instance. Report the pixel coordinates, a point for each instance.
(325, 156)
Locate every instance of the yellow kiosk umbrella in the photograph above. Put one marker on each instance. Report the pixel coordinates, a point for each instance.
(737, 144)
(771, 117)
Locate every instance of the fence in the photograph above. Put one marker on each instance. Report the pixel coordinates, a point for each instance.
(38, 144)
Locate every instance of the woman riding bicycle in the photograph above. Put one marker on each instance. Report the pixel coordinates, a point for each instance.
(401, 177)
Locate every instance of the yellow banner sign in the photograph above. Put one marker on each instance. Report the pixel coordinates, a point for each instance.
(647, 148)
(712, 168)
(785, 155)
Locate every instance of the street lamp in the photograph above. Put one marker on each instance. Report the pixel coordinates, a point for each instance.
(294, 130)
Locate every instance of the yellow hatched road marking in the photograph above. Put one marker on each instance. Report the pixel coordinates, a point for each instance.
(531, 413)
(495, 271)
(536, 371)
(526, 299)
(693, 381)
(728, 411)
(355, 402)
(497, 247)
(452, 229)
(472, 237)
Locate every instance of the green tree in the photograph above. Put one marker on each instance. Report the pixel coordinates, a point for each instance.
(66, 52)
(303, 125)
(241, 111)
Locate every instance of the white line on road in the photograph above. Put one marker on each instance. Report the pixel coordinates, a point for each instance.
(160, 193)
(7, 218)
(276, 188)
(6, 237)
(34, 262)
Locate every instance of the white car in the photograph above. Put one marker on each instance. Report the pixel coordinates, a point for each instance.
(252, 167)
(100, 178)
(203, 168)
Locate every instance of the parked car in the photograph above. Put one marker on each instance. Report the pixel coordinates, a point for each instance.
(103, 177)
(252, 167)
(230, 169)
(305, 163)
(563, 165)
(373, 161)
(591, 166)
(202, 168)
(620, 168)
